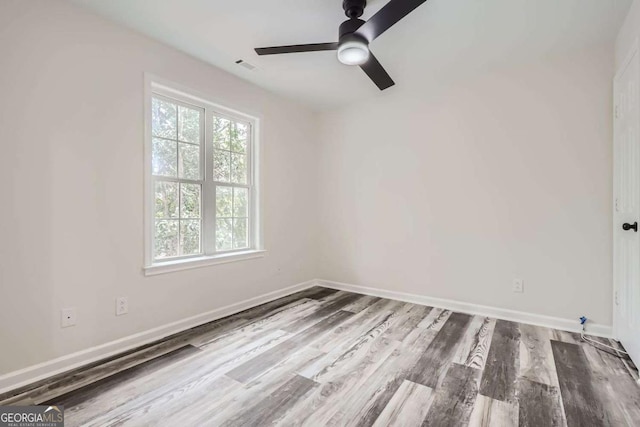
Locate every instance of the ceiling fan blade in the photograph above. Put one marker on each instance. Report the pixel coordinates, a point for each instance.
(386, 17)
(314, 47)
(377, 73)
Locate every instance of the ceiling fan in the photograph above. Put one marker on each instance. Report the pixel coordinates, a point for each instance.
(355, 36)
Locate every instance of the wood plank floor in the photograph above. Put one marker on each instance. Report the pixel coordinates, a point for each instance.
(331, 358)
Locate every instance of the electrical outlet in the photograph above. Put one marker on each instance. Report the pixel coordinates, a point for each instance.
(68, 317)
(518, 286)
(122, 306)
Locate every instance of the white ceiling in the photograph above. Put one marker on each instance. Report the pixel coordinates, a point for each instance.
(440, 39)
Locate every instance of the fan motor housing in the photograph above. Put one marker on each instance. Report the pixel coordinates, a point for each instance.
(349, 27)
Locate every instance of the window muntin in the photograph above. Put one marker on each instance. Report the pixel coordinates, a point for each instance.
(201, 179)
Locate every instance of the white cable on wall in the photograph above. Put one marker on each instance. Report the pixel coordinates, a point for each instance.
(596, 344)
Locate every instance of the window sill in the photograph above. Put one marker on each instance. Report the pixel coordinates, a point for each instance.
(203, 261)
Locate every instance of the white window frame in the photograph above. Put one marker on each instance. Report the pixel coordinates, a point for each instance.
(163, 89)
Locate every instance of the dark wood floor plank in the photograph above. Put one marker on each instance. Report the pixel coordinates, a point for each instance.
(502, 366)
(613, 378)
(615, 388)
(433, 364)
(363, 303)
(318, 292)
(581, 404)
(454, 401)
(269, 358)
(540, 405)
(626, 360)
(271, 307)
(84, 396)
(565, 336)
(274, 406)
(326, 309)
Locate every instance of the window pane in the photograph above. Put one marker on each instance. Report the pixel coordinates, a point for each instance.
(240, 202)
(190, 201)
(165, 158)
(238, 168)
(224, 202)
(190, 237)
(221, 130)
(221, 165)
(166, 200)
(164, 120)
(223, 234)
(239, 137)
(188, 125)
(240, 233)
(166, 241)
(189, 164)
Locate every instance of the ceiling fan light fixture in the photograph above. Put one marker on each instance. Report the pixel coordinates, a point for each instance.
(354, 36)
(353, 52)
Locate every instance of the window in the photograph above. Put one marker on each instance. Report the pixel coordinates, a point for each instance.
(177, 133)
(201, 180)
(230, 173)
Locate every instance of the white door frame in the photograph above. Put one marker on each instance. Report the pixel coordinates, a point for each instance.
(633, 51)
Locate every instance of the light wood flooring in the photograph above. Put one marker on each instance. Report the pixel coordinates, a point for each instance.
(331, 358)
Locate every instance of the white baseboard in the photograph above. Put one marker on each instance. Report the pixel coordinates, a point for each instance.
(572, 325)
(31, 374)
